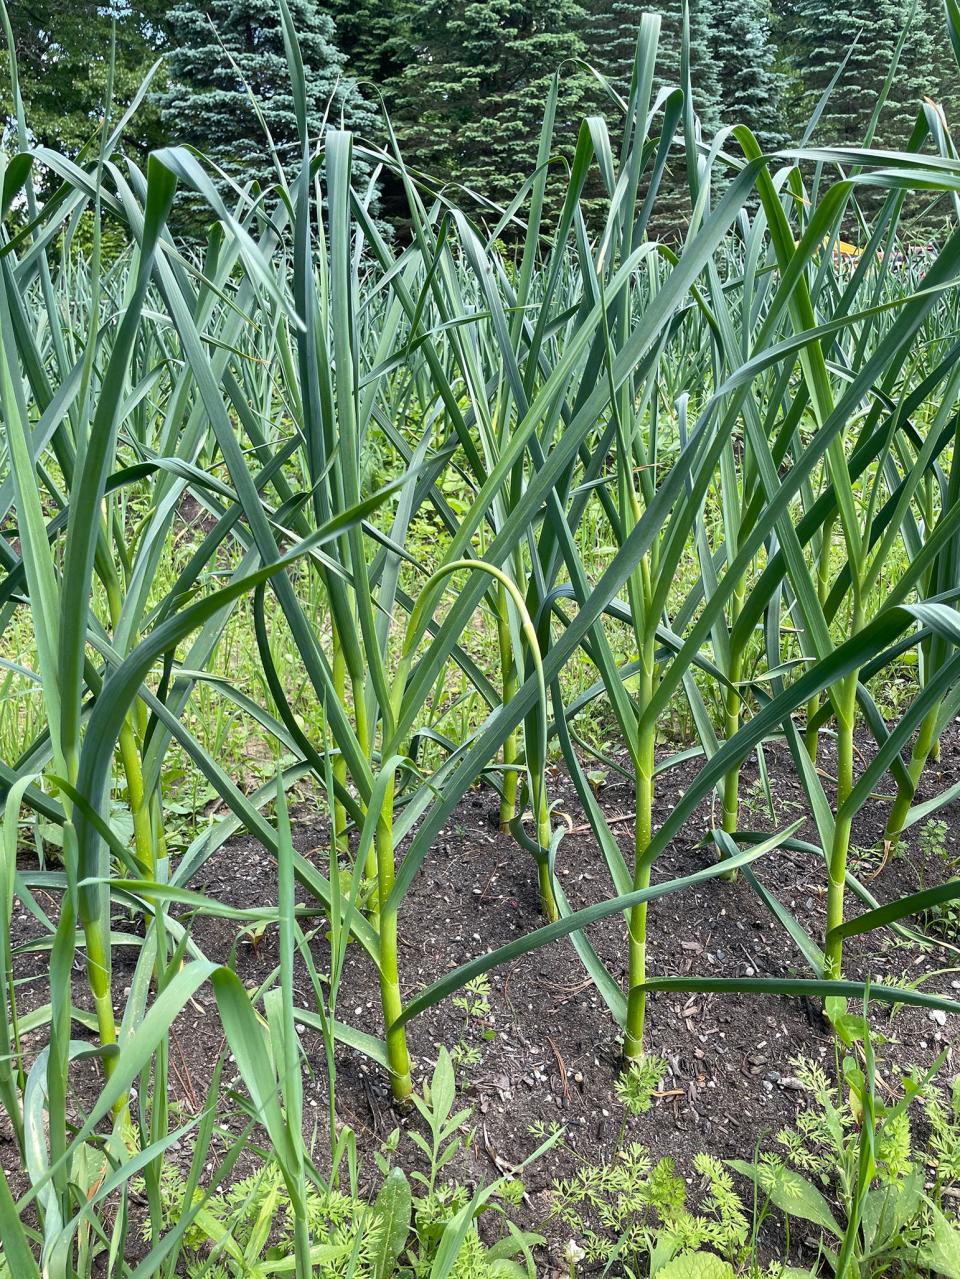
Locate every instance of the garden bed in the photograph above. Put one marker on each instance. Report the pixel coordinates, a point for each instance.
(541, 1048)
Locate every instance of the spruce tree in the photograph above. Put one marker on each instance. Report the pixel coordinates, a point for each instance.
(222, 51)
(861, 36)
(927, 68)
(610, 35)
(750, 84)
(703, 68)
(470, 105)
(374, 37)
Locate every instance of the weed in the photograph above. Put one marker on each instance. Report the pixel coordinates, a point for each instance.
(635, 1209)
(638, 1082)
(932, 839)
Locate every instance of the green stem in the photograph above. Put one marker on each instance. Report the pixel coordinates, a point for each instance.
(301, 1242)
(340, 842)
(139, 807)
(397, 1055)
(363, 736)
(148, 842)
(508, 802)
(98, 979)
(643, 830)
(731, 726)
(839, 850)
(637, 924)
(548, 901)
(811, 736)
(923, 748)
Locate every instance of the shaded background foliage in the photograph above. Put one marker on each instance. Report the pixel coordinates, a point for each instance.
(223, 53)
(63, 51)
(465, 80)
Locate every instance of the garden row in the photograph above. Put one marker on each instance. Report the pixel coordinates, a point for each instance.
(453, 496)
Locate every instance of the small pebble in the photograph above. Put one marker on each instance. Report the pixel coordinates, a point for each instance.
(791, 1083)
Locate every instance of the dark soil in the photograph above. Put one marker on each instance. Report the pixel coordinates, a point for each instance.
(548, 1050)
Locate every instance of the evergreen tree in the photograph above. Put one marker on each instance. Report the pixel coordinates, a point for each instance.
(750, 84)
(610, 36)
(927, 68)
(703, 68)
(225, 50)
(862, 34)
(374, 38)
(470, 106)
(611, 39)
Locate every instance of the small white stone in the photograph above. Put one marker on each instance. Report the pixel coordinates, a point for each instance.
(573, 1254)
